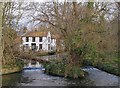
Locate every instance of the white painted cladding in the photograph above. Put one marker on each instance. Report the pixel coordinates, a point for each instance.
(48, 43)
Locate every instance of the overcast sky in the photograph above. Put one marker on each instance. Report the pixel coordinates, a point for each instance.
(26, 18)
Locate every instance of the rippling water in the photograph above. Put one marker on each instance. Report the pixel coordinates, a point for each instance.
(39, 78)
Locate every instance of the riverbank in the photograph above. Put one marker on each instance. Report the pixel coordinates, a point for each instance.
(16, 66)
(48, 53)
(34, 77)
(58, 67)
(110, 65)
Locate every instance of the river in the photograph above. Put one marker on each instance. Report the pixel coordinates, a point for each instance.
(96, 77)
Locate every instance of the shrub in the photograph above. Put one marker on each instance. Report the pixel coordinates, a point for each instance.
(59, 68)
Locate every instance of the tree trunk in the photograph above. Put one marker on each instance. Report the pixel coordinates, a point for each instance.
(1, 50)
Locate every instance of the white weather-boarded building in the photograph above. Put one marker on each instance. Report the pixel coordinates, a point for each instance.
(39, 41)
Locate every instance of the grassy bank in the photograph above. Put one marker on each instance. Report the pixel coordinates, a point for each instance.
(45, 53)
(58, 68)
(15, 66)
(109, 64)
(48, 53)
(34, 54)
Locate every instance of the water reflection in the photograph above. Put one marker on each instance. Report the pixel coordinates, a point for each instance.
(14, 79)
(39, 78)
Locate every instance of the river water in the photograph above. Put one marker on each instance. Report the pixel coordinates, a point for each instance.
(96, 77)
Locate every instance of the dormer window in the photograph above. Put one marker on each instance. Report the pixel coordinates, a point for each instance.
(40, 39)
(33, 39)
(27, 39)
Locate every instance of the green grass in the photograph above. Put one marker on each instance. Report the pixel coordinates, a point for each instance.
(110, 65)
(12, 67)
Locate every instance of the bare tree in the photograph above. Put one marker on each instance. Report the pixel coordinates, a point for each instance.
(80, 25)
(9, 31)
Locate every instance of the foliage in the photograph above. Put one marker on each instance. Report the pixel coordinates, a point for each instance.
(59, 68)
(11, 67)
(105, 61)
(83, 28)
(9, 59)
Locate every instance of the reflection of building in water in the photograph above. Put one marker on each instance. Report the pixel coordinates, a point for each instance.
(33, 64)
(29, 64)
(38, 64)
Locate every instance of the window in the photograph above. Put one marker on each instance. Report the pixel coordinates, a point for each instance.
(34, 47)
(48, 46)
(48, 39)
(27, 39)
(40, 39)
(33, 39)
(40, 46)
(52, 48)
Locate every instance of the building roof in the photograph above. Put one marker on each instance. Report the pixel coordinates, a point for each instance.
(38, 34)
(35, 34)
